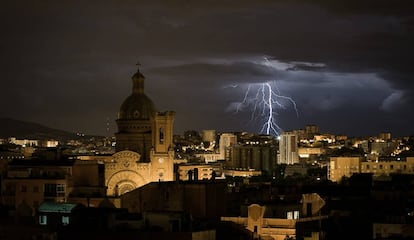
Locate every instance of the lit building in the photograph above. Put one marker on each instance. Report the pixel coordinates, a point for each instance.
(306, 152)
(382, 148)
(144, 143)
(242, 173)
(329, 138)
(346, 166)
(24, 142)
(226, 140)
(34, 143)
(378, 168)
(279, 221)
(341, 138)
(209, 157)
(288, 148)
(342, 167)
(249, 157)
(195, 172)
(50, 143)
(386, 136)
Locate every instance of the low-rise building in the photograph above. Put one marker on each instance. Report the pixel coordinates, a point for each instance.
(340, 167)
(34, 181)
(201, 199)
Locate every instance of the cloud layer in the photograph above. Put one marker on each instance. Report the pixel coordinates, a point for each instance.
(348, 66)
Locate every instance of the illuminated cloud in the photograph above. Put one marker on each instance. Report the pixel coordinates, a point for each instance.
(392, 102)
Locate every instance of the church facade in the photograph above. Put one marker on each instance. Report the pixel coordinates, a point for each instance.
(144, 143)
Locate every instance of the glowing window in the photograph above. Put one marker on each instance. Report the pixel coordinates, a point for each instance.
(295, 214)
(60, 190)
(42, 220)
(65, 220)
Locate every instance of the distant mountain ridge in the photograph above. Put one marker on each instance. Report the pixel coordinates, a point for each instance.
(30, 130)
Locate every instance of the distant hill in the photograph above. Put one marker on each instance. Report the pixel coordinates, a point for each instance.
(29, 130)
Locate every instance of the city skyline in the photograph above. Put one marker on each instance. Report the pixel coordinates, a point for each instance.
(68, 64)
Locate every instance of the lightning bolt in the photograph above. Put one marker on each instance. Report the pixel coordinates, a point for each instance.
(265, 100)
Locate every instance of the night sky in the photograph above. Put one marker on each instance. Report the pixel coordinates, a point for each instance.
(347, 65)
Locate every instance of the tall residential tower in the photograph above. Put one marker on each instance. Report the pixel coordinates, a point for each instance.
(288, 148)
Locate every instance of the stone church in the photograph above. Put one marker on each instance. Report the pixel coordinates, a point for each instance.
(144, 143)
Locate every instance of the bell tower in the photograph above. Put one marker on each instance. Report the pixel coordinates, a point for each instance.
(163, 131)
(162, 153)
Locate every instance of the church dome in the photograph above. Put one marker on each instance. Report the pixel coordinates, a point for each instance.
(137, 106)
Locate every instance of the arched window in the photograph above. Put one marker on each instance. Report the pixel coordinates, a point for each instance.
(161, 135)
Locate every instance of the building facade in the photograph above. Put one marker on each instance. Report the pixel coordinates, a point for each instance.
(340, 167)
(144, 143)
(226, 141)
(30, 182)
(288, 148)
(203, 199)
(249, 157)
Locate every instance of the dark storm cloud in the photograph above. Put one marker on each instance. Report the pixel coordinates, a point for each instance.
(214, 72)
(68, 63)
(315, 92)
